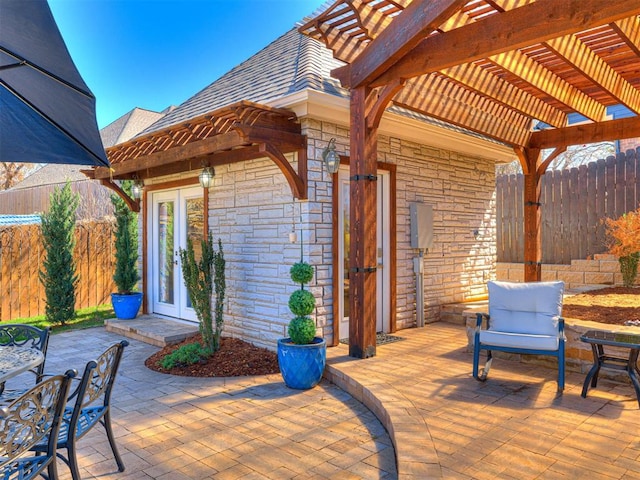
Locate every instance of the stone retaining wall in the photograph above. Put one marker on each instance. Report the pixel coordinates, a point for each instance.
(603, 269)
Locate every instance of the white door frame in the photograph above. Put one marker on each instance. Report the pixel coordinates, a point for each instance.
(383, 275)
(179, 308)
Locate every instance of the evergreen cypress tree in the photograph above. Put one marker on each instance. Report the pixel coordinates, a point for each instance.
(58, 275)
(126, 274)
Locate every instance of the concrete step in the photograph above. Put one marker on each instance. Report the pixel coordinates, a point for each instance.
(152, 329)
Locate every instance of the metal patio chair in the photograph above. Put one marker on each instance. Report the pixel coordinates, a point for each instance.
(524, 318)
(31, 419)
(91, 405)
(27, 336)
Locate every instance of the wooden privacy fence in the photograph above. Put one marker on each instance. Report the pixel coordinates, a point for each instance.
(21, 257)
(574, 204)
(94, 200)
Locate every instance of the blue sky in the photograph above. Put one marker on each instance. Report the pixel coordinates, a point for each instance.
(156, 53)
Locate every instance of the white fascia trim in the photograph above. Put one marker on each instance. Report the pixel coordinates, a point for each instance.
(329, 108)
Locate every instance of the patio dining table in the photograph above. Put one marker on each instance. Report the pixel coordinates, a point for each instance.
(15, 360)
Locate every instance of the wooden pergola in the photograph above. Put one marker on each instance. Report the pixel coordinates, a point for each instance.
(501, 68)
(235, 133)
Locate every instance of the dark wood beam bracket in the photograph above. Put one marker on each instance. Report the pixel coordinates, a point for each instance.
(297, 182)
(134, 205)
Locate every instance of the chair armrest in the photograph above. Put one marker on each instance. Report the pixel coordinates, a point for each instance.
(479, 317)
(561, 334)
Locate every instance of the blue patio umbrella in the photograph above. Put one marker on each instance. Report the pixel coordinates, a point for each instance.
(47, 112)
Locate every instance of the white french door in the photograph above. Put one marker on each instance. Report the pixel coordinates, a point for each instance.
(383, 253)
(176, 215)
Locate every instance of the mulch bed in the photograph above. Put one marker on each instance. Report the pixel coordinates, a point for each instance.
(235, 358)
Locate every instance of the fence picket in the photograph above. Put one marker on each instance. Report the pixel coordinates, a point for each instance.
(574, 205)
(21, 255)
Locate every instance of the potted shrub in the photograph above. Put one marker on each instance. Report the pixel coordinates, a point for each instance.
(126, 303)
(302, 355)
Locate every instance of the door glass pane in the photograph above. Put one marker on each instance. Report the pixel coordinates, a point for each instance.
(195, 229)
(165, 251)
(347, 244)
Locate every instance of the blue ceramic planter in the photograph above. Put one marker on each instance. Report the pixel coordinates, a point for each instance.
(126, 306)
(302, 366)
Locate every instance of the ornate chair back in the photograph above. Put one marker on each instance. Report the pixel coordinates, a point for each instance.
(91, 406)
(27, 336)
(30, 419)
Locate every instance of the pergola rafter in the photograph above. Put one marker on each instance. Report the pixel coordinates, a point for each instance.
(494, 67)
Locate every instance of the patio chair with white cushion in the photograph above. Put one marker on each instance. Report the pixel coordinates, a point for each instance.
(524, 318)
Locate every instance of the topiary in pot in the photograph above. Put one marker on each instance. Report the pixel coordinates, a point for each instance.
(126, 302)
(302, 356)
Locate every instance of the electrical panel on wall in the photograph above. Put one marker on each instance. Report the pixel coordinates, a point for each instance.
(421, 225)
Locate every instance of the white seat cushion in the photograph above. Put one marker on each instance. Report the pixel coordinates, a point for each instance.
(529, 308)
(519, 340)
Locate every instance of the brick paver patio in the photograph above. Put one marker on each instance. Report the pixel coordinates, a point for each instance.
(443, 422)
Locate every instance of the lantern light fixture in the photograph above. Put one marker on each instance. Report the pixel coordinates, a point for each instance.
(136, 189)
(330, 157)
(206, 177)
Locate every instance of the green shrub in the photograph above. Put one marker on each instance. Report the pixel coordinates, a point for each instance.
(302, 330)
(126, 273)
(301, 272)
(201, 279)
(629, 268)
(188, 354)
(302, 302)
(58, 273)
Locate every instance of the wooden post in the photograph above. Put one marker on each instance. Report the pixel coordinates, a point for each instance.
(532, 217)
(362, 261)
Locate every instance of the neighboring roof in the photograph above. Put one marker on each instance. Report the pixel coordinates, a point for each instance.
(291, 63)
(8, 220)
(128, 126)
(52, 173)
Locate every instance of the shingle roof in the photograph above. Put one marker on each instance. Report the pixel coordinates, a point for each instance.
(50, 174)
(128, 126)
(291, 63)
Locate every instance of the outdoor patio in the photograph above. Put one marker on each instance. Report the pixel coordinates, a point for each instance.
(444, 423)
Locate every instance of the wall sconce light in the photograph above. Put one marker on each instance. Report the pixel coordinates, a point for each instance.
(136, 189)
(206, 177)
(330, 157)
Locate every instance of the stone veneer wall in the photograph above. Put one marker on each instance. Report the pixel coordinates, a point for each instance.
(252, 211)
(603, 269)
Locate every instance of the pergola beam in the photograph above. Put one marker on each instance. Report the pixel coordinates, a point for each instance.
(406, 30)
(545, 81)
(629, 30)
(434, 97)
(478, 79)
(597, 70)
(518, 28)
(586, 133)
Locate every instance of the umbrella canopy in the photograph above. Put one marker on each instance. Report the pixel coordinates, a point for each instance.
(47, 112)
